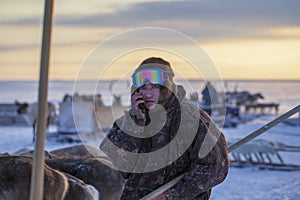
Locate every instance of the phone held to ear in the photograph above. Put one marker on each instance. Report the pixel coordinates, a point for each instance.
(141, 105)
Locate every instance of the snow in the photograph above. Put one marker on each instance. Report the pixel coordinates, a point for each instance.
(14, 138)
(255, 184)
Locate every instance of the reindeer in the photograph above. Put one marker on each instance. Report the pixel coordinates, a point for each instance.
(83, 163)
(243, 98)
(87, 163)
(15, 178)
(30, 113)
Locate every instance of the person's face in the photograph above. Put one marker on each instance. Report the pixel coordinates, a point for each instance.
(151, 94)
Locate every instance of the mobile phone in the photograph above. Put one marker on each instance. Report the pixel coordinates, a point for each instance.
(141, 105)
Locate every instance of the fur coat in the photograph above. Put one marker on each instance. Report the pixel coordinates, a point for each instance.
(179, 138)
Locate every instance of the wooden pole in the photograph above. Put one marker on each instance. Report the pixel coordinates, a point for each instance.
(246, 139)
(264, 128)
(37, 177)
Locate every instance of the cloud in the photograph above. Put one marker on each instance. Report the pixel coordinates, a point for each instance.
(208, 18)
(276, 12)
(18, 47)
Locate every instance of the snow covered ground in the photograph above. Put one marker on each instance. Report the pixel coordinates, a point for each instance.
(241, 183)
(255, 184)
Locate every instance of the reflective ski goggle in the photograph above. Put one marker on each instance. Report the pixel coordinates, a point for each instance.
(153, 76)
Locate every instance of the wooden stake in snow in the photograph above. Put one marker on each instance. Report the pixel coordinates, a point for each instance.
(37, 178)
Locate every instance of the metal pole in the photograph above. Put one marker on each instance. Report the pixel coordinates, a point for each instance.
(246, 139)
(37, 177)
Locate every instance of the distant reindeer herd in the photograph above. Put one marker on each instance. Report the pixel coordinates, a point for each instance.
(251, 101)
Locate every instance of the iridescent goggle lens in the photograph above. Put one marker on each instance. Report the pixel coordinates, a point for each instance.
(153, 76)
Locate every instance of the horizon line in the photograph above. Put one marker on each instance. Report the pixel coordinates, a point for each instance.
(190, 79)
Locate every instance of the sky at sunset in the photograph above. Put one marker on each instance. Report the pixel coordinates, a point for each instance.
(245, 39)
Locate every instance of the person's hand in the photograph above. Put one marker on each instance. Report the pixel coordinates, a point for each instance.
(161, 197)
(136, 101)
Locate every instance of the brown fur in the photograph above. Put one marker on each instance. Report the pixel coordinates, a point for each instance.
(82, 151)
(15, 179)
(106, 180)
(86, 175)
(80, 190)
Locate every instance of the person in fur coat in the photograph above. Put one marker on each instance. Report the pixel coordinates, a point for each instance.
(163, 136)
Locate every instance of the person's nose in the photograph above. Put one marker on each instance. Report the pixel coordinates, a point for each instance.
(148, 93)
